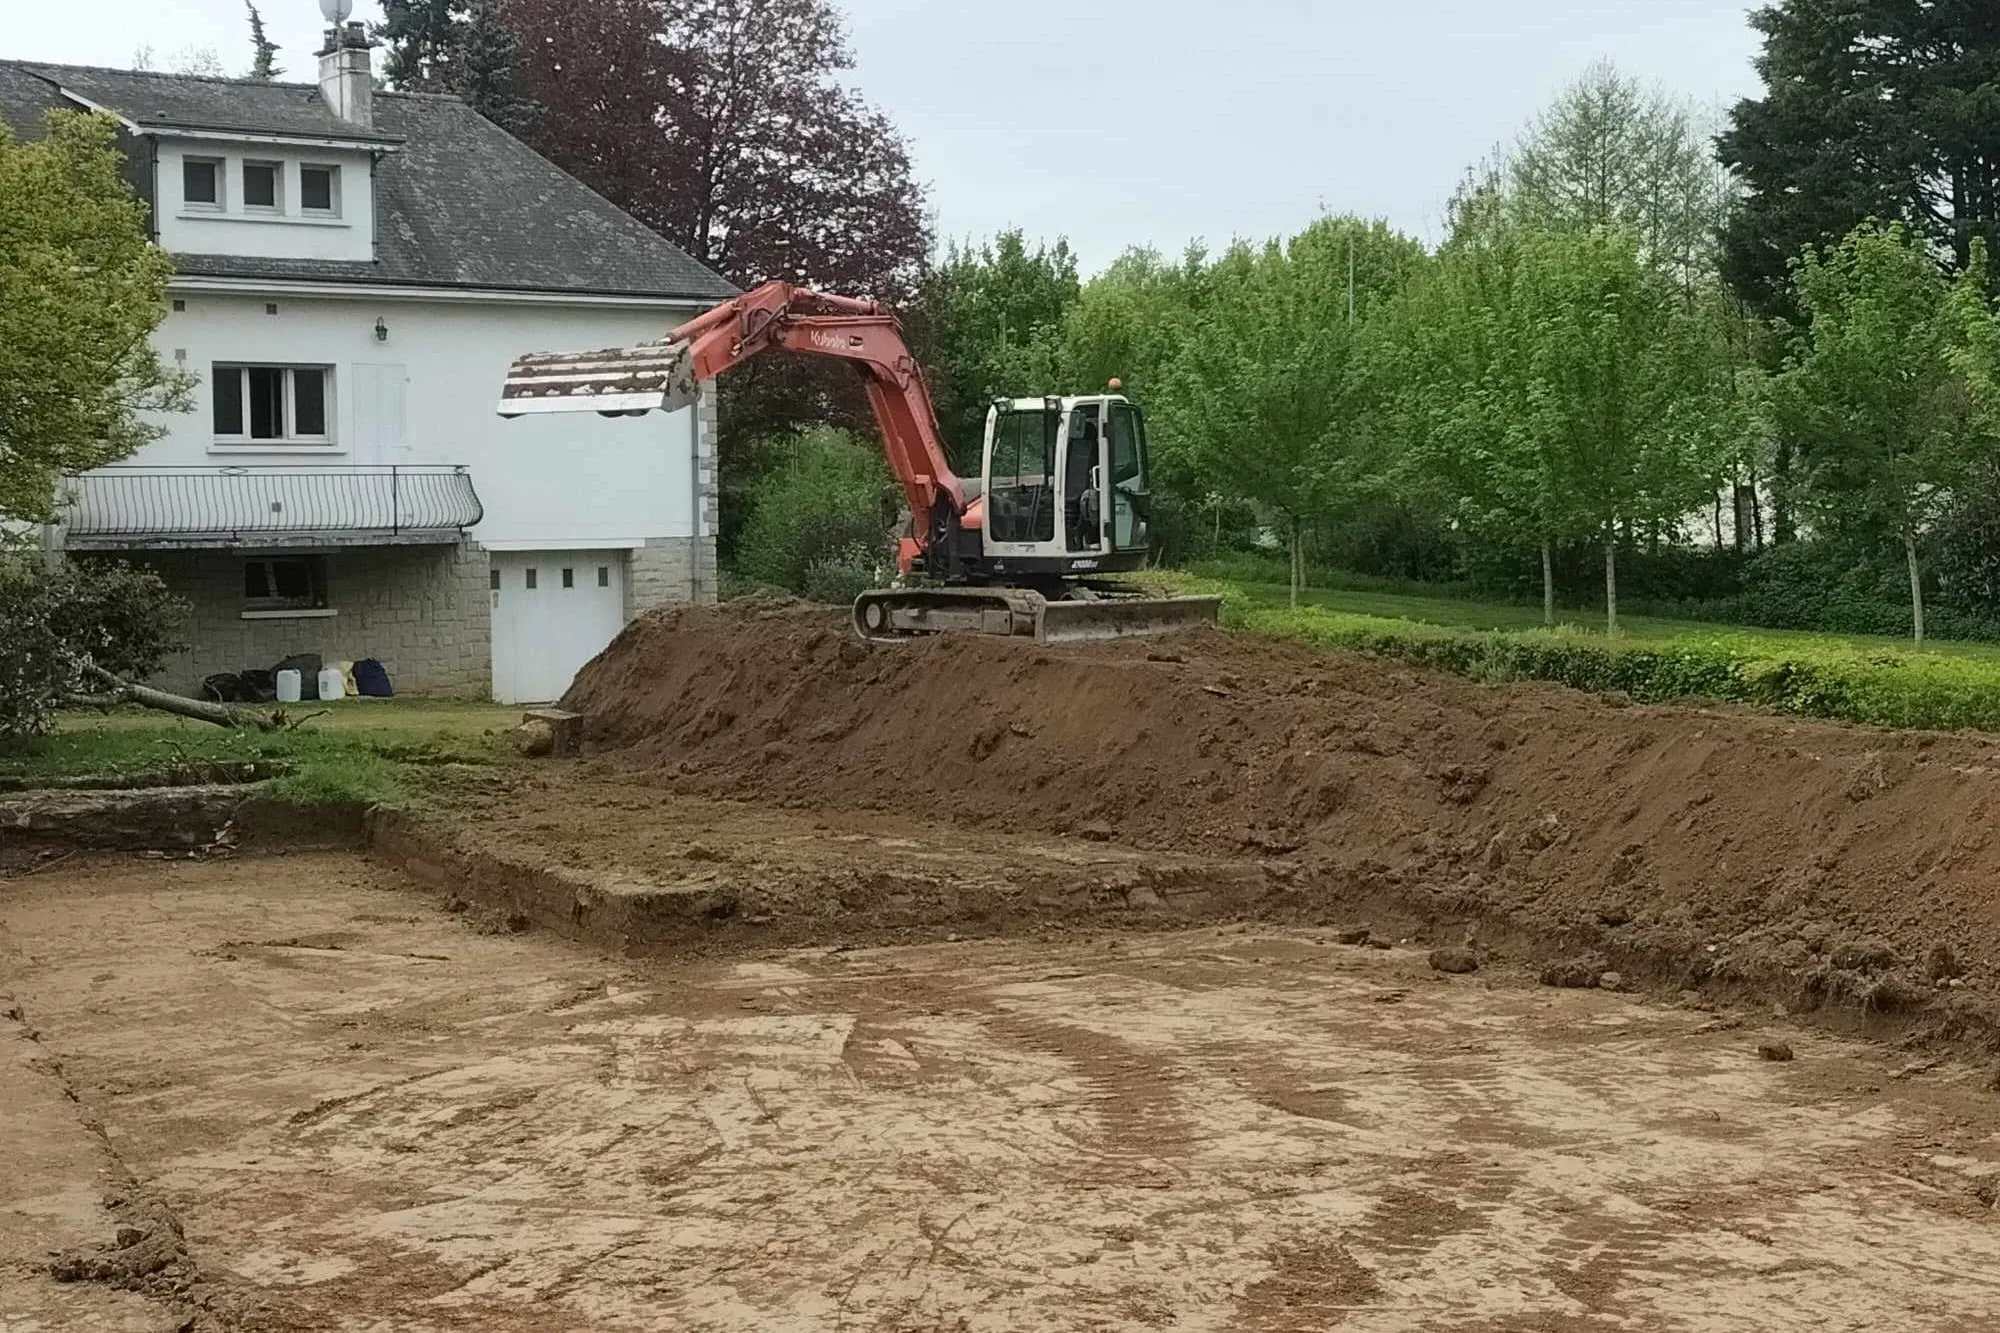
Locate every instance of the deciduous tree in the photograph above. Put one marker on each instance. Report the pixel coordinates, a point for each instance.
(1621, 396)
(979, 313)
(1550, 384)
(1268, 392)
(1890, 386)
(725, 125)
(81, 291)
(1610, 152)
(1451, 359)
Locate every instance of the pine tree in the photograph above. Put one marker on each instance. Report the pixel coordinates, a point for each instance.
(421, 42)
(264, 65)
(1872, 109)
(456, 46)
(488, 64)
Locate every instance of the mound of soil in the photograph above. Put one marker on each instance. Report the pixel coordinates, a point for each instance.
(1860, 863)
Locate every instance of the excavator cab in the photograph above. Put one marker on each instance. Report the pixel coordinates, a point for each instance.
(1066, 489)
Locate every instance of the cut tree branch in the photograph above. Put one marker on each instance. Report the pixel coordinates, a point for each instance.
(222, 715)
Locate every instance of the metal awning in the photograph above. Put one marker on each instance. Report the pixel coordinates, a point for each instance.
(128, 508)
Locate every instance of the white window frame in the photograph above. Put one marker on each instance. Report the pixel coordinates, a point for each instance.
(277, 205)
(220, 166)
(291, 439)
(332, 210)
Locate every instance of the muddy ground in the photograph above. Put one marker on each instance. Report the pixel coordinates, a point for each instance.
(368, 1112)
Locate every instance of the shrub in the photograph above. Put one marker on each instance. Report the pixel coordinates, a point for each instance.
(1965, 548)
(1896, 689)
(53, 622)
(840, 576)
(825, 499)
(1821, 586)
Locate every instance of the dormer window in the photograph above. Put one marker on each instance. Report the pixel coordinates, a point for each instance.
(201, 182)
(319, 190)
(260, 185)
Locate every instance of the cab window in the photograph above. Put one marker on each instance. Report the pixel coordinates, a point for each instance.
(1019, 506)
(1128, 454)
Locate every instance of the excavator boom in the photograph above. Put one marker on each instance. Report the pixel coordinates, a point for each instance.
(665, 375)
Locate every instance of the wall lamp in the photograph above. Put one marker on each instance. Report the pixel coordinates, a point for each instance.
(381, 330)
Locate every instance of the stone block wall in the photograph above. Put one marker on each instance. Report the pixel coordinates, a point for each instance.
(422, 611)
(671, 570)
(661, 573)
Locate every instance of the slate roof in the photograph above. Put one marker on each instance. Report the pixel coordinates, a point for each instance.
(191, 102)
(459, 202)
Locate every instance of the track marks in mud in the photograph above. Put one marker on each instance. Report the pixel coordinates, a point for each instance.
(1314, 1285)
(1133, 1097)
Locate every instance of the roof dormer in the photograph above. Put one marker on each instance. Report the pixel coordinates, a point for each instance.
(268, 197)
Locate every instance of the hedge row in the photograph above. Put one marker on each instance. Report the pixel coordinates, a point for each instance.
(1812, 679)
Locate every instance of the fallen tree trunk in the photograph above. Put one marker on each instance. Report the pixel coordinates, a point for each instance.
(93, 700)
(222, 715)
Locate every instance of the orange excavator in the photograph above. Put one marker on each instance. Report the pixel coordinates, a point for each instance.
(1063, 492)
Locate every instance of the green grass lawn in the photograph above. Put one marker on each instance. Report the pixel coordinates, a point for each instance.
(392, 751)
(1463, 614)
(395, 717)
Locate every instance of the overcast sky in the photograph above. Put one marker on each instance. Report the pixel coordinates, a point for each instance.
(1120, 122)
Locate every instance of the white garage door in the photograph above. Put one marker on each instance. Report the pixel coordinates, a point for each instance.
(552, 612)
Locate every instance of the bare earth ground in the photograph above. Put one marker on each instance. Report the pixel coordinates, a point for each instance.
(368, 1115)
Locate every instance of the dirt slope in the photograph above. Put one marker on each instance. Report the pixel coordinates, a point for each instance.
(1859, 863)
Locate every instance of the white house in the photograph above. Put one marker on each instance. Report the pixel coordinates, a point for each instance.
(355, 269)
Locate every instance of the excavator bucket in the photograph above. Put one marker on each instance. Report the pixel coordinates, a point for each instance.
(892, 615)
(612, 381)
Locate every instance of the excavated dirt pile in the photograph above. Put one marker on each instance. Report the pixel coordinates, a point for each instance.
(1852, 864)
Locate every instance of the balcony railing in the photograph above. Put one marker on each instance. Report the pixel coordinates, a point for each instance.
(232, 506)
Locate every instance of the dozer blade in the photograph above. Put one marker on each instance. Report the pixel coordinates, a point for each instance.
(1123, 618)
(612, 381)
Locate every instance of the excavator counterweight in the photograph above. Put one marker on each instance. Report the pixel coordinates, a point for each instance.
(1063, 493)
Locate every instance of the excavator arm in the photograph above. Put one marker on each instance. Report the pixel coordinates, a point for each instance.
(633, 381)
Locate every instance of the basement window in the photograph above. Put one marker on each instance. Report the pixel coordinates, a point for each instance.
(281, 584)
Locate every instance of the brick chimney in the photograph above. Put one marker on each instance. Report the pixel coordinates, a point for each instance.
(345, 78)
